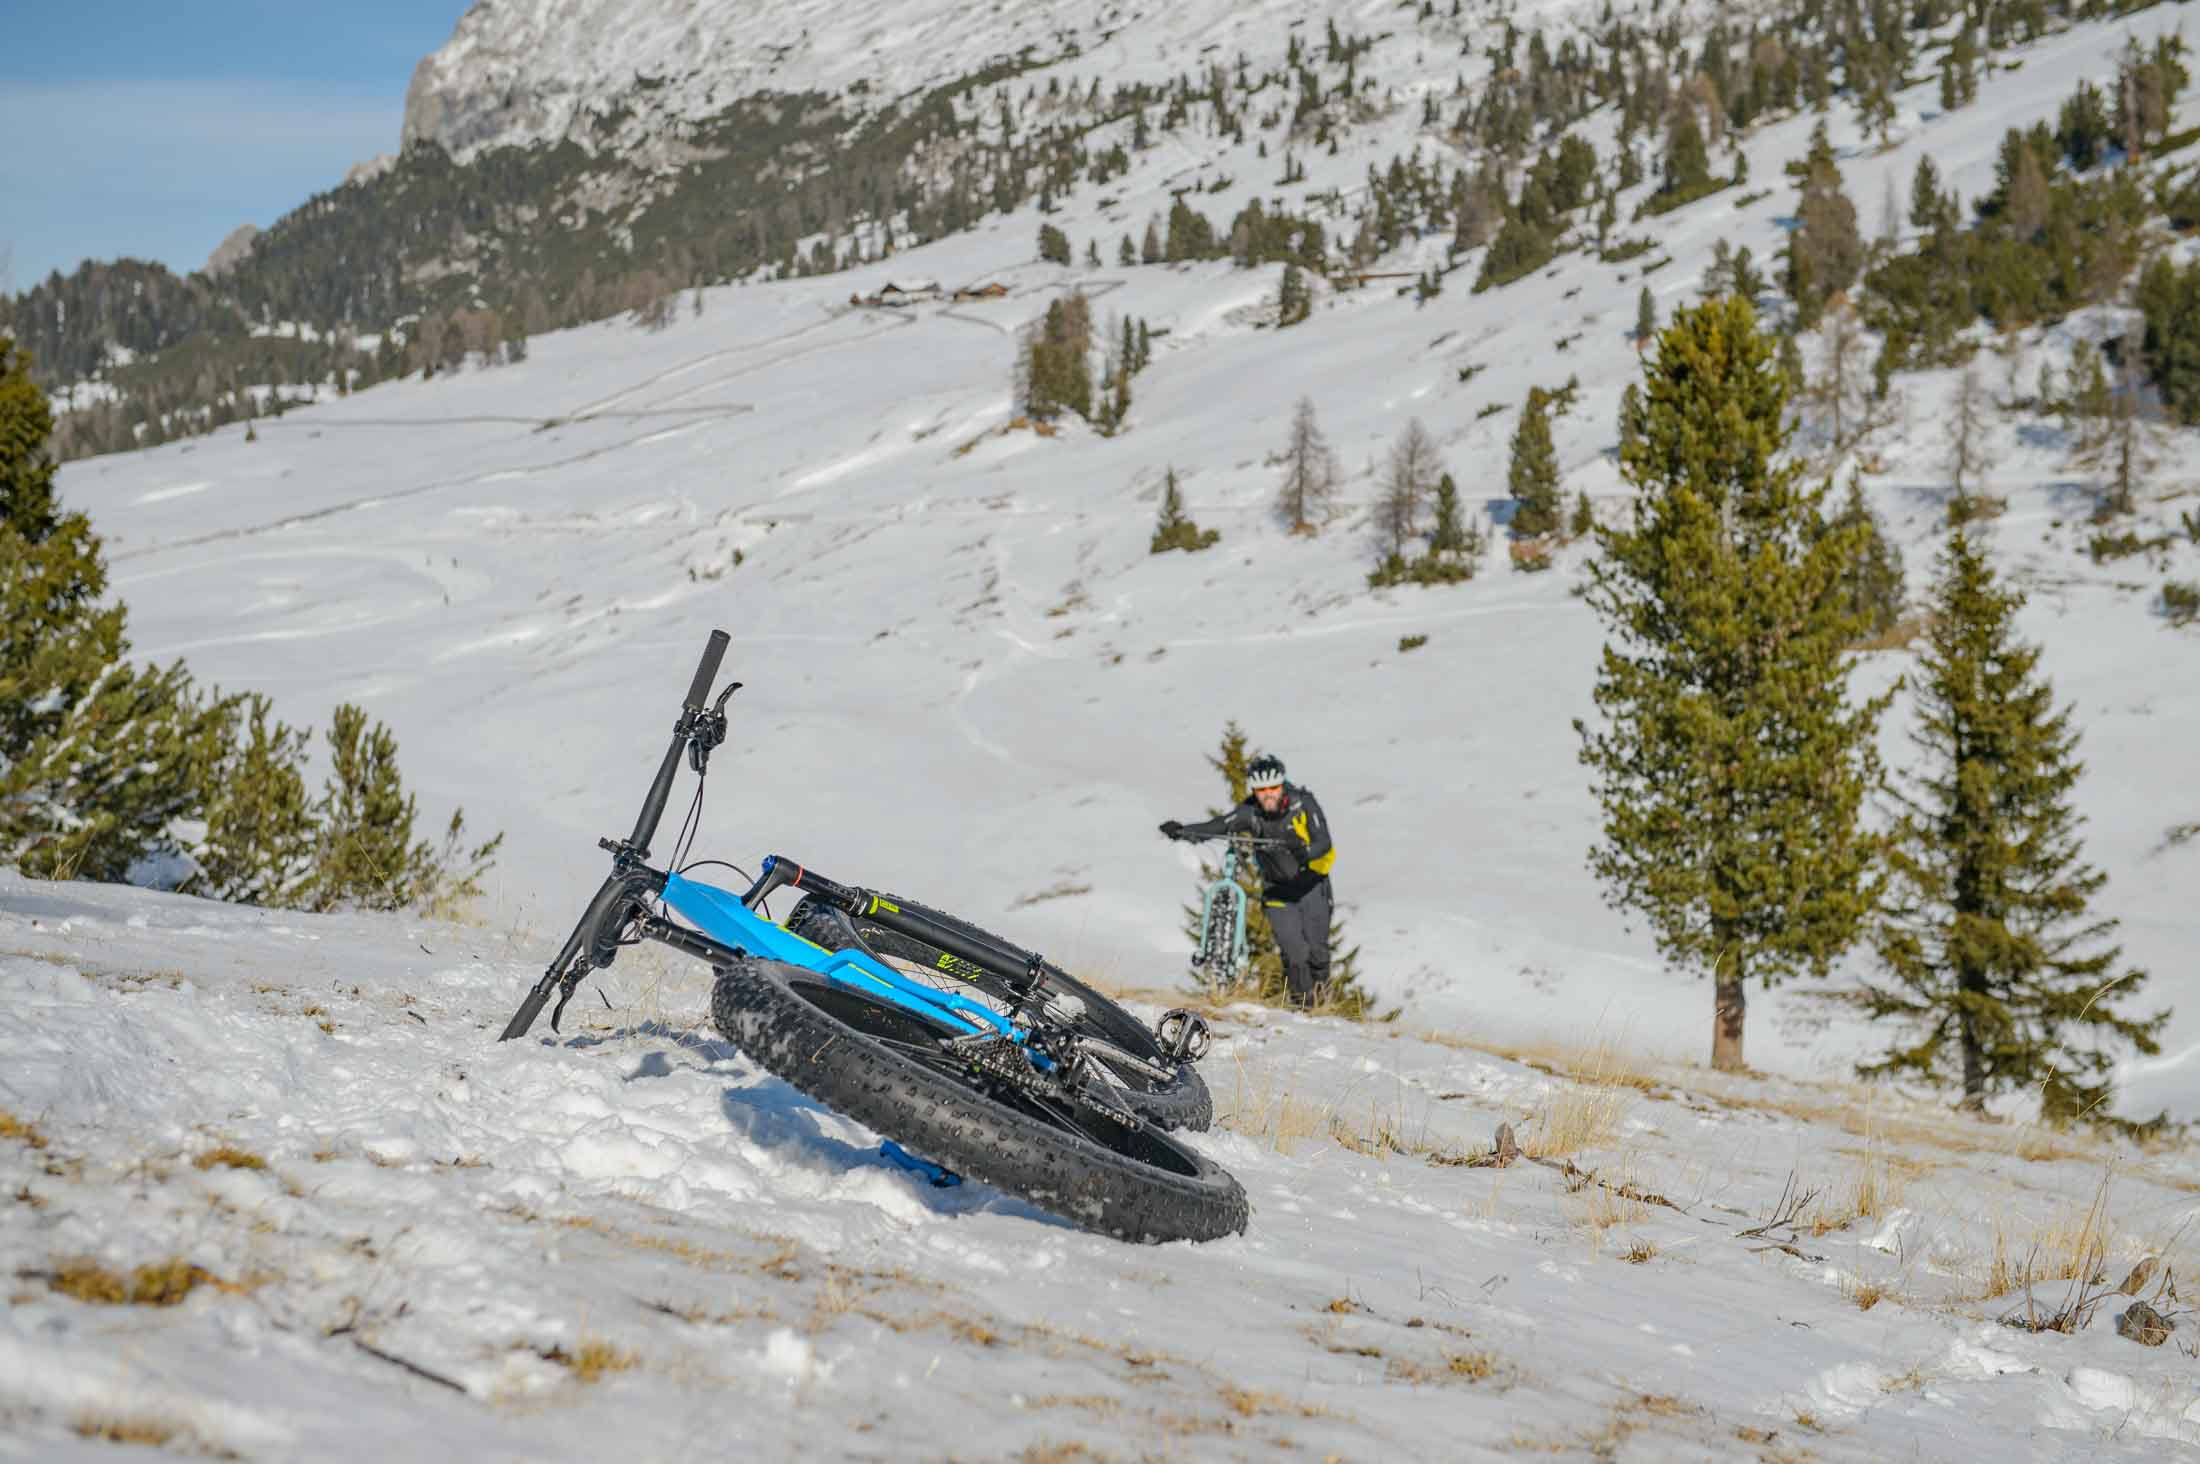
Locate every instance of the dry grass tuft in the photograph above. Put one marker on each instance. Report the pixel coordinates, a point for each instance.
(22, 1132)
(1873, 1188)
(969, 1329)
(2072, 1245)
(1599, 1207)
(1639, 1252)
(1260, 1109)
(229, 1156)
(592, 1359)
(1252, 1402)
(161, 1283)
(1451, 1367)
(1048, 1452)
(121, 1428)
(1595, 1093)
(1866, 1293)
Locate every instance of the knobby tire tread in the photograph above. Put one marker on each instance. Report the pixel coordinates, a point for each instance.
(949, 1123)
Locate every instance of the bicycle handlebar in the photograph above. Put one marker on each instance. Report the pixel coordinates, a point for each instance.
(660, 788)
(706, 670)
(1249, 840)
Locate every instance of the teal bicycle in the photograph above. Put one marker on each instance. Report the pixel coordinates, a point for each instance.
(1222, 956)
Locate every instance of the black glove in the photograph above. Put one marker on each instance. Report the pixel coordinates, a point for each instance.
(1172, 829)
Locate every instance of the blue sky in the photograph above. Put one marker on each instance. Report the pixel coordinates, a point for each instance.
(154, 128)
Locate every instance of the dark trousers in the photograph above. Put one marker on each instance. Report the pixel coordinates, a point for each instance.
(1302, 938)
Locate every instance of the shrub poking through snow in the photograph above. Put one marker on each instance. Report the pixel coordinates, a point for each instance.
(1175, 529)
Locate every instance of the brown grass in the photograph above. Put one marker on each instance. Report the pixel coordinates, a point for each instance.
(1882, 1121)
(1875, 1186)
(1253, 1402)
(1594, 1096)
(2072, 1244)
(1260, 1108)
(1866, 1293)
(592, 1359)
(1640, 1251)
(160, 1283)
(229, 1156)
(1048, 1452)
(118, 1428)
(1598, 1208)
(1450, 1367)
(21, 1131)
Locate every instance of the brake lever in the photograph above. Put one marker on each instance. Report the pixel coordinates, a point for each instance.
(710, 730)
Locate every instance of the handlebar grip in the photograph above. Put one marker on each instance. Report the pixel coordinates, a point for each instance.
(707, 671)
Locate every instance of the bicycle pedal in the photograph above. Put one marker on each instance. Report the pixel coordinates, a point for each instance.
(1183, 1034)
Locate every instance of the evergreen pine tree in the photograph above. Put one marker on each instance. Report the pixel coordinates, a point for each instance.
(1826, 250)
(1872, 589)
(1175, 529)
(1053, 245)
(1293, 299)
(1687, 160)
(98, 760)
(1992, 957)
(1630, 417)
(1730, 765)
(365, 856)
(1532, 477)
(1449, 536)
(259, 845)
(1646, 317)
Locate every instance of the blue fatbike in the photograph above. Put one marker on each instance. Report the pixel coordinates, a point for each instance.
(969, 1055)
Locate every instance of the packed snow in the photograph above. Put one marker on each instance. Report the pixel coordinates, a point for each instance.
(966, 680)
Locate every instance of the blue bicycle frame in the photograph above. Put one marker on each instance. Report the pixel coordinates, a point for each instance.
(720, 915)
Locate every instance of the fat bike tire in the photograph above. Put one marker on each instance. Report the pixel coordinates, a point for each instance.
(1217, 942)
(1182, 1102)
(884, 1067)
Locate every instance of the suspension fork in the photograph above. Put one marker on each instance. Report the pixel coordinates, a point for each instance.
(593, 943)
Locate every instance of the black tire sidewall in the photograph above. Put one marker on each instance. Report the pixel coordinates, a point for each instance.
(949, 1124)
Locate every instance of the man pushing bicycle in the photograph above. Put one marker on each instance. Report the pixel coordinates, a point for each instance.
(1295, 856)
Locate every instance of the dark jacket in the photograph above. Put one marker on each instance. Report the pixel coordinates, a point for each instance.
(1305, 856)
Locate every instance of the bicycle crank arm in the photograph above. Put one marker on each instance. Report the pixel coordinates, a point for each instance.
(1117, 1057)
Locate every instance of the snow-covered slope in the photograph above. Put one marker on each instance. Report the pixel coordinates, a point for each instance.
(968, 681)
(415, 1241)
(525, 71)
(967, 678)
